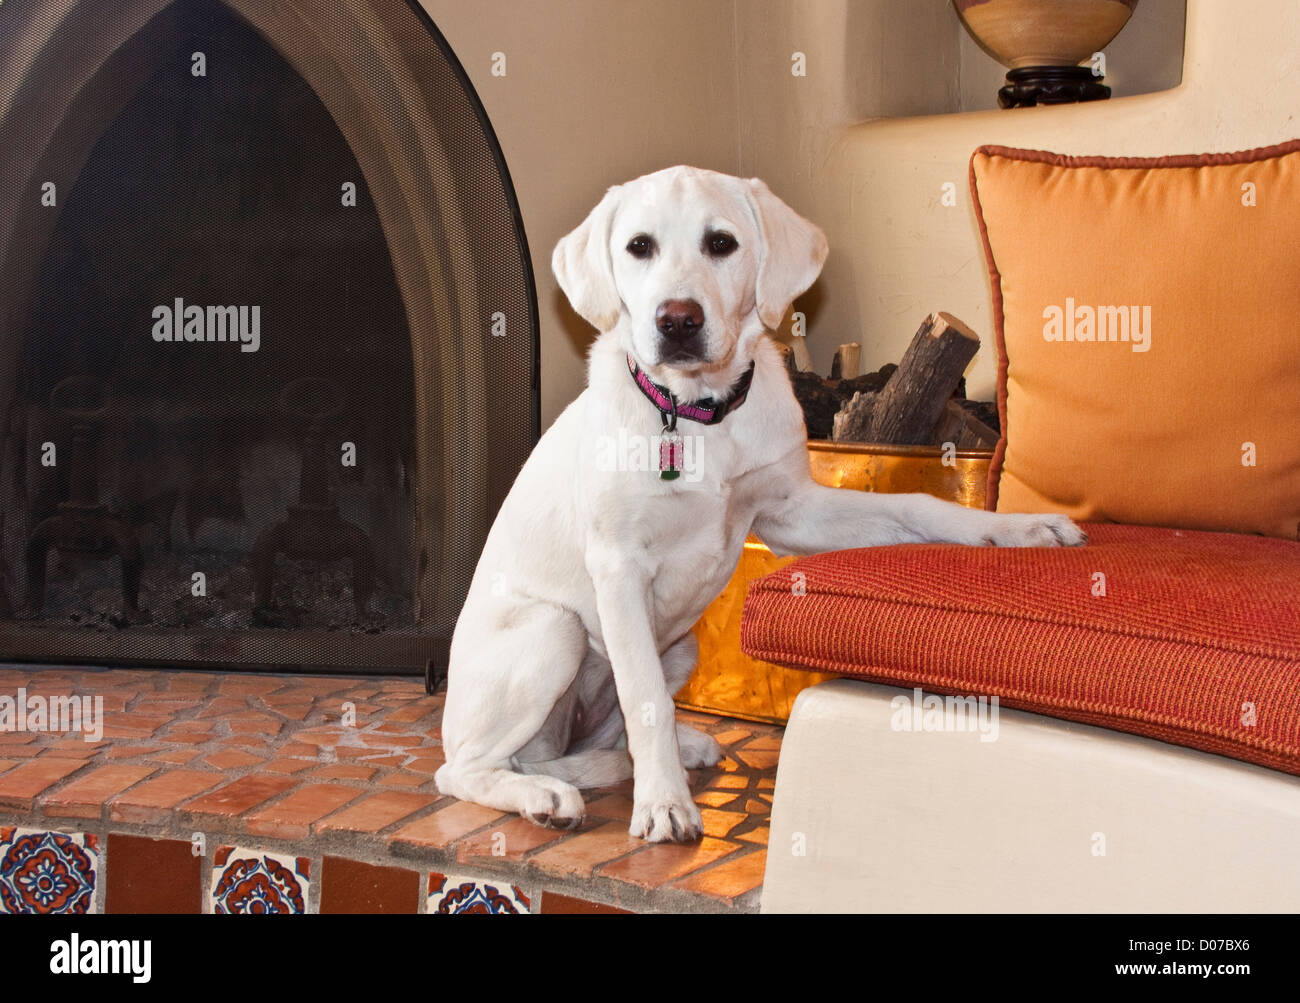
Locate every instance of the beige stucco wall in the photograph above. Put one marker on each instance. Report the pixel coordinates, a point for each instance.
(597, 92)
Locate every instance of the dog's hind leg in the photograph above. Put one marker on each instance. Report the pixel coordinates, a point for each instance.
(600, 758)
(593, 768)
(584, 742)
(542, 800)
(503, 684)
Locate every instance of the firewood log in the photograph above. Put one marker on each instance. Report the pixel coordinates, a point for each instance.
(854, 418)
(963, 429)
(914, 399)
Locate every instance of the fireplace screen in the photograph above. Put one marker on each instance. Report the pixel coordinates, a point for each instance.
(268, 355)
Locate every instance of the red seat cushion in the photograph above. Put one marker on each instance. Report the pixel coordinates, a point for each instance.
(1194, 630)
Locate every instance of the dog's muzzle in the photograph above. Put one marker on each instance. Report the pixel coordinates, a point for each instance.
(681, 330)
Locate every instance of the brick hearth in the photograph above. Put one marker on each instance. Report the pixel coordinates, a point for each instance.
(332, 809)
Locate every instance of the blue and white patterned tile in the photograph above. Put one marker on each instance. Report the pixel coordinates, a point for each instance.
(48, 872)
(247, 880)
(451, 894)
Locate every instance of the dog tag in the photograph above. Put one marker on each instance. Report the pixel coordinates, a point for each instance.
(670, 455)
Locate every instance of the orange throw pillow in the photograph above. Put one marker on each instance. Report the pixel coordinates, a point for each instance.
(1147, 314)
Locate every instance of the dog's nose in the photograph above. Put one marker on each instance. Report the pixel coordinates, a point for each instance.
(679, 320)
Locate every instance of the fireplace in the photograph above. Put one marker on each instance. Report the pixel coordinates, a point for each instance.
(268, 354)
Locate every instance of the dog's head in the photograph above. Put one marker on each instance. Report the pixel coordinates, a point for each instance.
(692, 263)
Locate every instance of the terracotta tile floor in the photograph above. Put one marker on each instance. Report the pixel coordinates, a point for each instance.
(314, 764)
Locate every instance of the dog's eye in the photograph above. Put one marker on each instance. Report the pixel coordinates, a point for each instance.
(719, 244)
(641, 246)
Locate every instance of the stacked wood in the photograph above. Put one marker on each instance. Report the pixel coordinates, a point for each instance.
(912, 408)
(908, 409)
(918, 402)
(963, 429)
(853, 423)
(850, 357)
(819, 401)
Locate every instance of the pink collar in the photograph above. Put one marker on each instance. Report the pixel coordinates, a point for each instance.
(707, 410)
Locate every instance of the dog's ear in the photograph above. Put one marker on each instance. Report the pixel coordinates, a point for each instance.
(583, 268)
(791, 257)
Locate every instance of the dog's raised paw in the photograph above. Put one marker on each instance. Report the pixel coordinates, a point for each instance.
(1034, 530)
(667, 820)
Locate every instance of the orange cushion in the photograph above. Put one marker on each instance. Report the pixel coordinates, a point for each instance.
(1195, 630)
(1185, 408)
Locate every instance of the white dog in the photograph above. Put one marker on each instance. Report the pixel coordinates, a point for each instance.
(577, 629)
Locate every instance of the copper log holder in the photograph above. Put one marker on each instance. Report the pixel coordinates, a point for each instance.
(727, 681)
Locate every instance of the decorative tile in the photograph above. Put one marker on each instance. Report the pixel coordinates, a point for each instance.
(555, 904)
(452, 894)
(354, 887)
(251, 881)
(43, 872)
(172, 759)
(144, 875)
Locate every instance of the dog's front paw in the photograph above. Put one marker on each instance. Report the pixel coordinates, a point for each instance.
(666, 820)
(1032, 530)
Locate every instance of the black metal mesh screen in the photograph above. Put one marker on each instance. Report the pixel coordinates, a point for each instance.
(269, 355)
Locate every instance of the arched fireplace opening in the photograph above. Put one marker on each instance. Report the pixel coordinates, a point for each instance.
(268, 362)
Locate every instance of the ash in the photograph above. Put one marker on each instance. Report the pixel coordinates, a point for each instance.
(307, 595)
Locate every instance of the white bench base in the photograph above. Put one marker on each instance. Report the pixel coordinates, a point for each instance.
(899, 821)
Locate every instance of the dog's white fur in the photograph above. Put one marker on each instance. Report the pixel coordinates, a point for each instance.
(577, 629)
